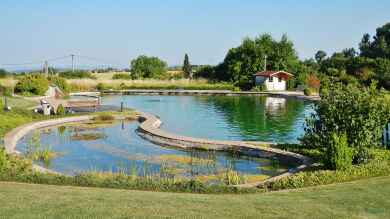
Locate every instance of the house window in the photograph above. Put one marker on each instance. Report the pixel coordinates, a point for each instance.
(280, 79)
(270, 79)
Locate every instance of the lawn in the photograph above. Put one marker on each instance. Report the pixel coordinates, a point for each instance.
(359, 199)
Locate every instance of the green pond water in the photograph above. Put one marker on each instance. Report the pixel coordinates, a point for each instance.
(247, 118)
(117, 147)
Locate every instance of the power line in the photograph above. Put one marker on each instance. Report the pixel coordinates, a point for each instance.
(99, 61)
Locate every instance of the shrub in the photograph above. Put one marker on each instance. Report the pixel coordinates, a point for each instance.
(313, 82)
(60, 83)
(259, 88)
(360, 113)
(307, 91)
(124, 76)
(76, 74)
(101, 87)
(32, 84)
(323, 177)
(60, 110)
(338, 155)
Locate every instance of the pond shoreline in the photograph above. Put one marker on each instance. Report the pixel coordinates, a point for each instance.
(149, 128)
(294, 94)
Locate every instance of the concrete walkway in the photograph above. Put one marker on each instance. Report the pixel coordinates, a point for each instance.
(150, 130)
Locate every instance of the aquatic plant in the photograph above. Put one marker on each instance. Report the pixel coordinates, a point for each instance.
(88, 136)
(104, 117)
(37, 152)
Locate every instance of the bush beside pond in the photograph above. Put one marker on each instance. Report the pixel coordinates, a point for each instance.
(34, 84)
(324, 177)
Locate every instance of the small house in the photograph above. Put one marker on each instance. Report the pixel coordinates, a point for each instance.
(273, 80)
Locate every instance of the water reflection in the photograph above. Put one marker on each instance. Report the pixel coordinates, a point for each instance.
(116, 147)
(225, 117)
(263, 118)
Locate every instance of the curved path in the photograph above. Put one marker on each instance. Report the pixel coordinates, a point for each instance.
(149, 129)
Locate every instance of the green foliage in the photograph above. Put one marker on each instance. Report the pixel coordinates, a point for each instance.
(32, 84)
(320, 56)
(307, 91)
(379, 46)
(243, 61)
(3, 73)
(360, 113)
(147, 67)
(77, 74)
(324, 177)
(60, 83)
(187, 69)
(338, 155)
(259, 88)
(60, 110)
(102, 87)
(206, 71)
(123, 76)
(192, 86)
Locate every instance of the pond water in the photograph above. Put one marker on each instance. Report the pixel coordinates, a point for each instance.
(116, 146)
(247, 118)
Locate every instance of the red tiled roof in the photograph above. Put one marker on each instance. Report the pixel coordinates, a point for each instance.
(271, 73)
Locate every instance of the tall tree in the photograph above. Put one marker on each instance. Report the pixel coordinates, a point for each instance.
(243, 61)
(379, 47)
(187, 69)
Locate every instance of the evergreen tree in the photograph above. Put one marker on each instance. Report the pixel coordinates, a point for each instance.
(187, 67)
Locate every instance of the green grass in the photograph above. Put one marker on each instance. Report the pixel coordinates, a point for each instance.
(359, 199)
(20, 102)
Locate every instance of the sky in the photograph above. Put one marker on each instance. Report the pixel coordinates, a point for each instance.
(118, 31)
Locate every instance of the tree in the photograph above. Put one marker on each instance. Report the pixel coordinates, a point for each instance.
(243, 61)
(147, 67)
(379, 47)
(320, 56)
(349, 52)
(187, 69)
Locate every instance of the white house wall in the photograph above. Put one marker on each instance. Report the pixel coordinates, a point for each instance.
(272, 86)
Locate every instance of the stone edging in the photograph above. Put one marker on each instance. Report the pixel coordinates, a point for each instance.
(150, 129)
(11, 138)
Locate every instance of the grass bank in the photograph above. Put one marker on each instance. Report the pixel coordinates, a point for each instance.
(104, 84)
(359, 199)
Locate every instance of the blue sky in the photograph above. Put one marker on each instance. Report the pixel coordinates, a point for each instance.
(120, 30)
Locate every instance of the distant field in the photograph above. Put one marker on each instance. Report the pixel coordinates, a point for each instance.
(106, 80)
(359, 199)
(8, 82)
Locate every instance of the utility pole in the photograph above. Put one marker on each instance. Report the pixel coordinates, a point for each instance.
(265, 62)
(72, 62)
(46, 69)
